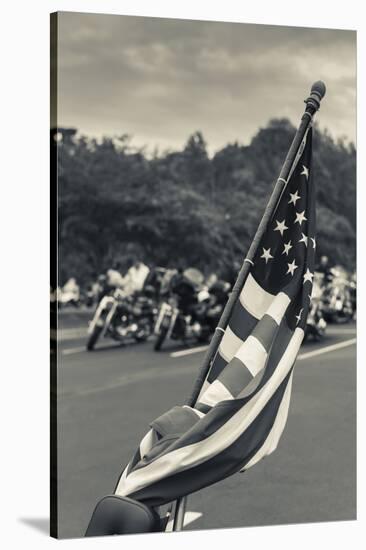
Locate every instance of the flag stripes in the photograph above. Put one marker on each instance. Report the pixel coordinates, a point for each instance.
(230, 343)
(235, 376)
(271, 442)
(254, 298)
(228, 422)
(215, 393)
(250, 358)
(219, 466)
(242, 322)
(251, 353)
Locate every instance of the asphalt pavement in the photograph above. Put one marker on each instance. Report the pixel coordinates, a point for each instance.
(107, 397)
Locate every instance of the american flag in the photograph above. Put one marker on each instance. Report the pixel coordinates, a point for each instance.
(243, 405)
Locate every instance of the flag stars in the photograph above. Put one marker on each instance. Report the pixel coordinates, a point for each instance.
(313, 241)
(281, 227)
(291, 268)
(305, 172)
(298, 317)
(304, 239)
(300, 217)
(266, 254)
(287, 247)
(308, 276)
(294, 197)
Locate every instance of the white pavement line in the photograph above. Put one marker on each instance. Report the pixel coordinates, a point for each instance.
(188, 351)
(327, 349)
(71, 334)
(70, 351)
(343, 331)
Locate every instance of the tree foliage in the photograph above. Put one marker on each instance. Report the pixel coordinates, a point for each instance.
(185, 208)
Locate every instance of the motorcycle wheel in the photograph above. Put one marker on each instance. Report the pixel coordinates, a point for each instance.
(161, 337)
(342, 317)
(92, 340)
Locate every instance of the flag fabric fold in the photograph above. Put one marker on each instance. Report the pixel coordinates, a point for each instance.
(243, 406)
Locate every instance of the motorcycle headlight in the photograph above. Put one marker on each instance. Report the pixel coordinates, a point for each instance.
(196, 328)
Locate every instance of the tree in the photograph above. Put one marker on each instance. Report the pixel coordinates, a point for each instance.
(182, 206)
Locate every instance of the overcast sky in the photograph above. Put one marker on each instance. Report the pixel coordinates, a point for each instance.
(162, 79)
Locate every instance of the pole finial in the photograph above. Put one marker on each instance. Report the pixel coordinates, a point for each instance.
(317, 93)
(319, 89)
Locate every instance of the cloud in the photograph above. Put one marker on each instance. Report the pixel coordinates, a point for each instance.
(162, 79)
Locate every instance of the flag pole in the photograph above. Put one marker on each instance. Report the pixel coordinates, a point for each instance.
(312, 105)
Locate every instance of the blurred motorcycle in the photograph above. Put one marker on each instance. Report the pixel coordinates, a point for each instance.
(353, 294)
(189, 310)
(337, 299)
(69, 294)
(316, 324)
(120, 316)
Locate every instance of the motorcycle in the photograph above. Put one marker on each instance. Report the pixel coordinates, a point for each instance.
(353, 295)
(316, 324)
(337, 299)
(69, 294)
(119, 317)
(189, 310)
